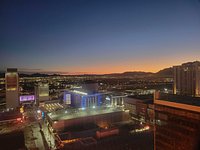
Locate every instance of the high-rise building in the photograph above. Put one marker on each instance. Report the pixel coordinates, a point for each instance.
(41, 92)
(177, 121)
(12, 88)
(187, 79)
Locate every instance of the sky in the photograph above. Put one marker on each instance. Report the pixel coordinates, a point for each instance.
(98, 36)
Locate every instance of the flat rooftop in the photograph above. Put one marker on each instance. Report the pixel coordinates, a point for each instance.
(133, 99)
(66, 114)
(189, 100)
(85, 92)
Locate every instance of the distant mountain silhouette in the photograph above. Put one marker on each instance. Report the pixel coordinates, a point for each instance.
(167, 72)
(34, 75)
(137, 73)
(132, 74)
(2, 75)
(37, 75)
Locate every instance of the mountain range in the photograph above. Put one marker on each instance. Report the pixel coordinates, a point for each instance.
(167, 72)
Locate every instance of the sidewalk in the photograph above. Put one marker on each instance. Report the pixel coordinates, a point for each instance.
(48, 136)
(33, 137)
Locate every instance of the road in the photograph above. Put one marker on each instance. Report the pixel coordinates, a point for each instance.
(49, 137)
(36, 133)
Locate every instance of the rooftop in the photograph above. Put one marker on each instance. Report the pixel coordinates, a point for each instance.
(147, 99)
(66, 114)
(117, 94)
(85, 92)
(194, 101)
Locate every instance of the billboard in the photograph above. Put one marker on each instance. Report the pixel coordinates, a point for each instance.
(26, 98)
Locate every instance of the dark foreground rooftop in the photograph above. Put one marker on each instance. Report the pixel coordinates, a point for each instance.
(189, 100)
(143, 141)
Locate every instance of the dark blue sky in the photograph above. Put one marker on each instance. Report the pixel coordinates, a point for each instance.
(98, 36)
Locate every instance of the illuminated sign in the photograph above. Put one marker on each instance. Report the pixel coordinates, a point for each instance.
(25, 98)
(22, 109)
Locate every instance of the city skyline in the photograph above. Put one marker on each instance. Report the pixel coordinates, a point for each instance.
(99, 36)
(100, 74)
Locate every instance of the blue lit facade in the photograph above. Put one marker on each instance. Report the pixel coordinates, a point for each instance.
(83, 101)
(79, 100)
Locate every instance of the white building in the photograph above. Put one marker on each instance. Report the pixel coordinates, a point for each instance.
(115, 99)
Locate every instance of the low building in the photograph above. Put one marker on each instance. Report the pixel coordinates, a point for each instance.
(79, 98)
(103, 117)
(139, 107)
(114, 99)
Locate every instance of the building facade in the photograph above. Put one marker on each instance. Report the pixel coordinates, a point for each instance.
(141, 110)
(41, 92)
(12, 88)
(114, 99)
(176, 122)
(187, 79)
(80, 99)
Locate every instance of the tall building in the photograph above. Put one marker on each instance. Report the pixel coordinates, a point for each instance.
(187, 79)
(12, 88)
(177, 121)
(41, 92)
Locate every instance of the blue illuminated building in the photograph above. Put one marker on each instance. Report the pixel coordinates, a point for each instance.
(80, 99)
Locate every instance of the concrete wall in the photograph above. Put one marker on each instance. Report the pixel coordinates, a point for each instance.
(100, 120)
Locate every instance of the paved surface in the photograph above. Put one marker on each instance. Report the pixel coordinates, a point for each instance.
(37, 135)
(34, 138)
(49, 137)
